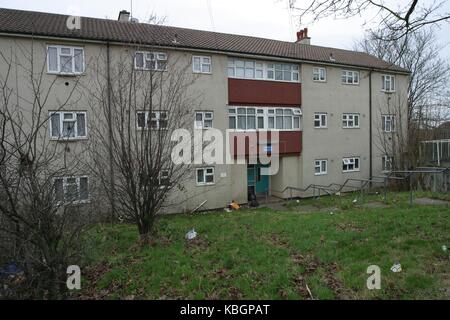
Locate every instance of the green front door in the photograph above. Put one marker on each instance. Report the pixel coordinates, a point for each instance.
(257, 179)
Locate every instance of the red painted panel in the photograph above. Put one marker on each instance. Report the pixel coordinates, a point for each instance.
(290, 143)
(259, 92)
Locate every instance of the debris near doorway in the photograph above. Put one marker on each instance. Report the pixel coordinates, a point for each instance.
(253, 202)
(233, 206)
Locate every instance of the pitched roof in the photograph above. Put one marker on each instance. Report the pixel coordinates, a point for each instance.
(54, 25)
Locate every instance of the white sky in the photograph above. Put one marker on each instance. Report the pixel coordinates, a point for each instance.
(261, 18)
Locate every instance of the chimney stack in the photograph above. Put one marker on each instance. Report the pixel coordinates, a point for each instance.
(302, 37)
(124, 16)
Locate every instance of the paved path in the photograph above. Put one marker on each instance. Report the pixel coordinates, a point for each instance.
(430, 202)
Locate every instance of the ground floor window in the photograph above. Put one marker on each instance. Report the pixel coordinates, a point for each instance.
(351, 164)
(71, 189)
(205, 176)
(321, 167)
(387, 163)
(163, 178)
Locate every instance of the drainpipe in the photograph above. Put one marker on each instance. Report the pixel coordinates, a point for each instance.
(370, 127)
(110, 133)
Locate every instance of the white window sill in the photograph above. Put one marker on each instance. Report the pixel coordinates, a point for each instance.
(351, 127)
(205, 73)
(350, 84)
(63, 74)
(320, 81)
(320, 127)
(350, 171)
(74, 203)
(154, 70)
(61, 139)
(388, 91)
(321, 174)
(205, 184)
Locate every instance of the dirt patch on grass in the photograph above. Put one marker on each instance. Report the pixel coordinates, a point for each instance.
(349, 227)
(430, 202)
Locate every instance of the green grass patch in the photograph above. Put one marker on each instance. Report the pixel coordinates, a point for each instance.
(262, 254)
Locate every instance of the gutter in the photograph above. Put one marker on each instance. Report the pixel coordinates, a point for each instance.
(370, 127)
(194, 49)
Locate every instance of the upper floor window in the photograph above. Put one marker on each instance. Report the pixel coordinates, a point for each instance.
(388, 123)
(201, 64)
(68, 125)
(65, 60)
(203, 119)
(250, 69)
(156, 61)
(350, 77)
(351, 164)
(388, 83)
(71, 189)
(152, 120)
(247, 118)
(320, 167)
(350, 120)
(320, 120)
(319, 74)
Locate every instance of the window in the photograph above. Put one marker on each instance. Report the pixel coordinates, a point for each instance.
(388, 123)
(71, 189)
(248, 118)
(350, 77)
(249, 69)
(65, 60)
(156, 61)
(350, 164)
(387, 163)
(350, 120)
(203, 119)
(152, 120)
(201, 64)
(321, 167)
(319, 74)
(205, 176)
(163, 178)
(320, 120)
(388, 83)
(68, 125)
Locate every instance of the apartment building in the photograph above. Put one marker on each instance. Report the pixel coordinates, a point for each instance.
(331, 108)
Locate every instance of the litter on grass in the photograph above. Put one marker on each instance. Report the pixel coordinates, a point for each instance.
(191, 235)
(444, 248)
(396, 268)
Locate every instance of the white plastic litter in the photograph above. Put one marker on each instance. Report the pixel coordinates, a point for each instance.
(191, 235)
(331, 213)
(444, 248)
(298, 201)
(396, 268)
(355, 201)
(228, 210)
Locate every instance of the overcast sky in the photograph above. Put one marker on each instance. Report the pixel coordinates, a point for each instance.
(261, 18)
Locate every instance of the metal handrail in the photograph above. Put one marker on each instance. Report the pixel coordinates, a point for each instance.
(329, 189)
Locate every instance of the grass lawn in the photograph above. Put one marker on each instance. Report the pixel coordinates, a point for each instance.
(266, 254)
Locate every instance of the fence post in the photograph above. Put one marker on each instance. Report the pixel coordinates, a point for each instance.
(362, 191)
(385, 190)
(410, 190)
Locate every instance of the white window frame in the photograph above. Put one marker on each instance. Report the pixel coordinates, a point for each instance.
(201, 124)
(348, 118)
(148, 119)
(266, 114)
(205, 173)
(203, 61)
(388, 118)
(262, 70)
(318, 164)
(61, 125)
(348, 77)
(159, 58)
(58, 61)
(351, 161)
(161, 175)
(384, 161)
(385, 79)
(318, 72)
(65, 186)
(322, 117)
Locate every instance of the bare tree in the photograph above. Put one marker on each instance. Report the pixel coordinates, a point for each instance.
(399, 19)
(40, 230)
(428, 95)
(141, 107)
